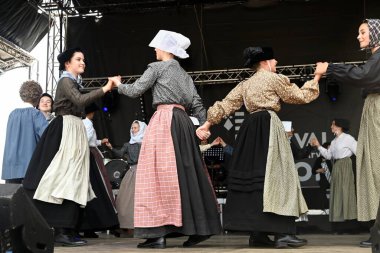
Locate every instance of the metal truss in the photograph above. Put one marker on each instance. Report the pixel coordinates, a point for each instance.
(55, 43)
(13, 56)
(226, 76)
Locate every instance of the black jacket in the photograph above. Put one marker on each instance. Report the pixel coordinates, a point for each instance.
(365, 76)
(323, 183)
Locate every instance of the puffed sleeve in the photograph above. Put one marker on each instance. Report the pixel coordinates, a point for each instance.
(232, 102)
(290, 93)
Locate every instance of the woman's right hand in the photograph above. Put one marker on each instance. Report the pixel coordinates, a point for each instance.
(320, 170)
(203, 132)
(116, 80)
(108, 86)
(314, 142)
(108, 144)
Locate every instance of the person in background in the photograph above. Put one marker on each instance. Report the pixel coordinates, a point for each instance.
(24, 129)
(342, 190)
(206, 146)
(125, 201)
(298, 153)
(367, 77)
(264, 192)
(227, 149)
(185, 204)
(45, 105)
(323, 167)
(58, 175)
(100, 213)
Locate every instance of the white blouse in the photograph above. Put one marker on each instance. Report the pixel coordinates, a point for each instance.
(91, 134)
(342, 146)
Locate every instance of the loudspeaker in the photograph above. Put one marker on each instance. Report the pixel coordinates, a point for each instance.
(22, 227)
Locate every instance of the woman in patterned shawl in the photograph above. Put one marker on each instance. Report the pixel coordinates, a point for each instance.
(264, 193)
(173, 194)
(367, 155)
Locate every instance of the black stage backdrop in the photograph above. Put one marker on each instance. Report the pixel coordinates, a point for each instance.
(300, 32)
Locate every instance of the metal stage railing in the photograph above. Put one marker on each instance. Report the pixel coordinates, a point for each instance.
(225, 76)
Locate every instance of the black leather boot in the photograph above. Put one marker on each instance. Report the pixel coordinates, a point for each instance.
(153, 243)
(284, 241)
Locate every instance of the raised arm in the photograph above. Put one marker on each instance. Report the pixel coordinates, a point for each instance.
(221, 109)
(363, 76)
(290, 93)
(76, 97)
(136, 89)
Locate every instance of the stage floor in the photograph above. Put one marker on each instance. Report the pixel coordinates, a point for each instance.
(225, 243)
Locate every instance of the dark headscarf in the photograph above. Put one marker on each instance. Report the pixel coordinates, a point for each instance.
(374, 32)
(252, 55)
(66, 55)
(343, 123)
(91, 108)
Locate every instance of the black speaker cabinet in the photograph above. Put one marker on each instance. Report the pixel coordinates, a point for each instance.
(22, 228)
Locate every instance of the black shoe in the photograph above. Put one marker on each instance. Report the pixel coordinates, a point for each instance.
(154, 243)
(259, 239)
(366, 244)
(90, 234)
(195, 239)
(283, 241)
(68, 240)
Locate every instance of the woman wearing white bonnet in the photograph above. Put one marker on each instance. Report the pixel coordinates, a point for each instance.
(173, 194)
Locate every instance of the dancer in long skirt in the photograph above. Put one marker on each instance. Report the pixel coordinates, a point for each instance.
(264, 193)
(342, 190)
(57, 177)
(367, 156)
(173, 192)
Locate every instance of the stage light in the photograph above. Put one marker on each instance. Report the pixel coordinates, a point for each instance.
(332, 90)
(110, 101)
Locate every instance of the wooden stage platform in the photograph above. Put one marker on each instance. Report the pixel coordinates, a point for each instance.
(225, 243)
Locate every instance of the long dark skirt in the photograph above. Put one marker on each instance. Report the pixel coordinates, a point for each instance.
(60, 216)
(199, 208)
(244, 204)
(99, 213)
